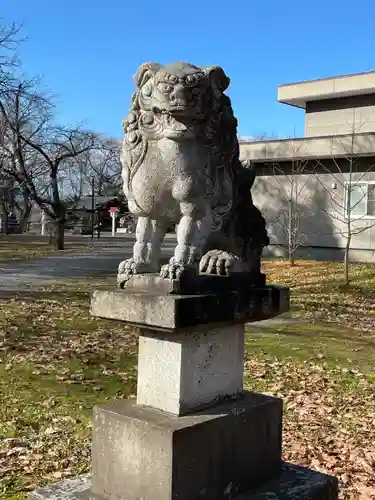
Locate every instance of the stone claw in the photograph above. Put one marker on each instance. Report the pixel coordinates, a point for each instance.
(173, 270)
(220, 263)
(129, 267)
(126, 269)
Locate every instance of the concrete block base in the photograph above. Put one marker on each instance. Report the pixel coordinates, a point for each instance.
(186, 371)
(152, 455)
(294, 483)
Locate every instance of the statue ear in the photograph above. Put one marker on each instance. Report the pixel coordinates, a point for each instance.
(145, 72)
(219, 80)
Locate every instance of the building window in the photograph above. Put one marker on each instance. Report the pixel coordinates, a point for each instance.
(360, 200)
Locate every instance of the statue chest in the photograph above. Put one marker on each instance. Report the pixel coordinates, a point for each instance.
(165, 162)
(183, 158)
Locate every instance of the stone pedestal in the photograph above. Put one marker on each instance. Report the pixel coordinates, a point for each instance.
(193, 433)
(188, 371)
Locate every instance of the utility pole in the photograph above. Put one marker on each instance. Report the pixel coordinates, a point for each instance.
(92, 206)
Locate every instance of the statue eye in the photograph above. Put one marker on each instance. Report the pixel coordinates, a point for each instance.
(190, 79)
(194, 79)
(165, 88)
(147, 90)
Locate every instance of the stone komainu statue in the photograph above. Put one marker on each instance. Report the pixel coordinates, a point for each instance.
(181, 167)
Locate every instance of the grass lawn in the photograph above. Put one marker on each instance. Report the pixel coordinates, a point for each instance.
(56, 362)
(318, 293)
(15, 248)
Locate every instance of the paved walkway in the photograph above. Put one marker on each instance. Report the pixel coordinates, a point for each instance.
(277, 322)
(102, 260)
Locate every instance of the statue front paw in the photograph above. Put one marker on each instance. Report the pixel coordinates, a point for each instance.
(174, 270)
(221, 263)
(129, 267)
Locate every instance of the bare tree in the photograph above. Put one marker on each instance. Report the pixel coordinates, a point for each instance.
(22, 111)
(9, 41)
(105, 167)
(36, 150)
(257, 137)
(12, 195)
(293, 195)
(350, 197)
(288, 192)
(39, 157)
(100, 164)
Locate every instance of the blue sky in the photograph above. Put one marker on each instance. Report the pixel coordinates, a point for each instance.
(87, 51)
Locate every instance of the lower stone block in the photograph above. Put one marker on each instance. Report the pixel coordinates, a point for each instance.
(294, 483)
(143, 453)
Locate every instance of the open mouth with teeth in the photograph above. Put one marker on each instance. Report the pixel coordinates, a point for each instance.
(178, 121)
(178, 111)
(177, 117)
(175, 123)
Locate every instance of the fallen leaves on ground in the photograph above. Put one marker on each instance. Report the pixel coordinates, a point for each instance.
(318, 293)
(329, 419)
(13, 248)
(57, 362)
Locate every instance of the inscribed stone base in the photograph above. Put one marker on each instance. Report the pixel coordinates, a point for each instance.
(294, 483)
(143, 453)
(185, 371)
